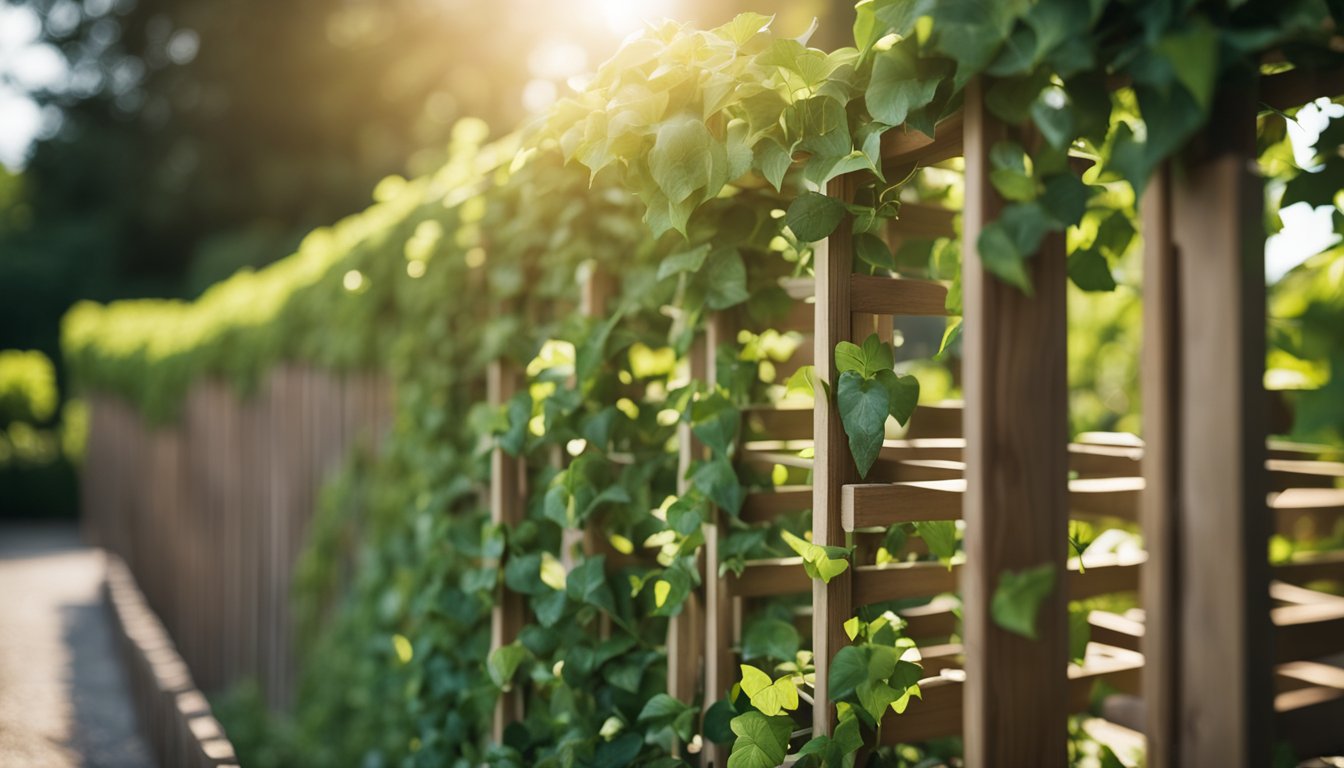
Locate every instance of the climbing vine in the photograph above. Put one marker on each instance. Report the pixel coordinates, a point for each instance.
(690, 173)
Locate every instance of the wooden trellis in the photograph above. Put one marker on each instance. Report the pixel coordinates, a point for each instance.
(210, 515)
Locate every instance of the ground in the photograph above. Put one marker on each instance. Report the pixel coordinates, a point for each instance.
(63, 694)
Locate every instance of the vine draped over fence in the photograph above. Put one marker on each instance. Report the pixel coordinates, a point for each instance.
(690, 172)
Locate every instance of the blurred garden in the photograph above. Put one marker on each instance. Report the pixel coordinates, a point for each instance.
(442, 371)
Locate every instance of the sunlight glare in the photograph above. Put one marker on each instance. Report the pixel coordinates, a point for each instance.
(623, 17)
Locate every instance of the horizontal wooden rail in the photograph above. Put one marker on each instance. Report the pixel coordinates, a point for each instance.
(899, 581)
(903, 297)
(884, 504)
(938, 714)
(922, 220)
(904, 147)
(1300, 86)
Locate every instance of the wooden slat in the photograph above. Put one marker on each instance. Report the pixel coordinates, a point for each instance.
(834, 466)
(1308, 631)
(899, 581)
(769, 578)
(1286, 473)
(907, 146)
(1205, 430)
(882, 504)
(936, 420)
(939, 713)
(1306, 568)
(897, 296)
(765, 506)
(770, 423)
(1016, 506)
(1300, 86)
(922, 220)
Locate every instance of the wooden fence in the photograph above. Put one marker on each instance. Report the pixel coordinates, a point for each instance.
(1223, 653)
(210, 513)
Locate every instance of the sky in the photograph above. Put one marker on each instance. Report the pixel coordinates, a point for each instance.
(26, 65)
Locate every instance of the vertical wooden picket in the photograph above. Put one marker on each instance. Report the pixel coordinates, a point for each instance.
(833, 465)
(508, 499)
(1015, 508)
(1209, 701)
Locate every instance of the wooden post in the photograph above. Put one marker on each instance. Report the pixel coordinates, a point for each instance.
(685, 630)
(508, 499)
(1206, 584)
(1015, 508)
(720, 660)
(833, 467)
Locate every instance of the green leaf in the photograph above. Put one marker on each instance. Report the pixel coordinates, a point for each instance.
(744, 27)
(715, 421)
(873, 250)
(1013, 185)
(820, 562)
(774, 161)
(850, 357)
(951, 335)
(849, 669)
(762, 742)
(1065, 198)
(681, 161)
(1018, 598)
(619, 752)
(1053, 114)
(864, 407)
(771, 639)
(727, 279)
(587, 583)
(1080, 632)
(803, 381)
(875, 696)
(814, 216)
(895, 88)
(770, 697)
(1193, 54)
(717, 724)
(718, 481)
(520, 412)
(902, 394)
(684, 261)
(1089, 271)
(877, 355)
(941, 538)
(503, 663)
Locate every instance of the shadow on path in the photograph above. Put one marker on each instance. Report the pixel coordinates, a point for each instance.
(63, 693)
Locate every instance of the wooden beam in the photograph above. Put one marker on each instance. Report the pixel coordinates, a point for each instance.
(897, 296)
(905, 147)
(939, 713)
(834, 466)
(1016, 506)
(1205, 429)
(867, 505)
(508, 506)
(922, 220)
(768, 578)
(1300, 86)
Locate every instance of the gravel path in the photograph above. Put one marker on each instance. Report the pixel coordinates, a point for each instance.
(63, 698)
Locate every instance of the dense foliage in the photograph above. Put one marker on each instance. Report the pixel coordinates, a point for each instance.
(37, 443)
(687, 175)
